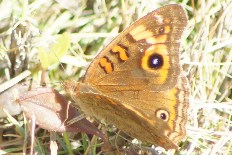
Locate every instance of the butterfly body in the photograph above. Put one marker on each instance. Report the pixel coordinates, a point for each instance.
(136, 82)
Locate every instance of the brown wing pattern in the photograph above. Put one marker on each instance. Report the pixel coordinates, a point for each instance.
(172, 104)
(138, 114)
(153, 38)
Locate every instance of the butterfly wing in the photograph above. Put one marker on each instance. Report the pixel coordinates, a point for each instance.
(158, 118)
(127, 118)
(167, 108)
(143, 56)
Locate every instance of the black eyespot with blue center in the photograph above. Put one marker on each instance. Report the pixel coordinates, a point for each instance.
(155, 61)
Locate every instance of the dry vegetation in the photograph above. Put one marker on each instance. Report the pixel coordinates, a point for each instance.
(206, 56)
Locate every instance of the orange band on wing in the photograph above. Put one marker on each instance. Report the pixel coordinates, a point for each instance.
(172, 98)
(157, 40)
(121, 51)
(106, 65)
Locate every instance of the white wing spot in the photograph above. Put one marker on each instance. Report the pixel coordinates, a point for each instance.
(159, 19)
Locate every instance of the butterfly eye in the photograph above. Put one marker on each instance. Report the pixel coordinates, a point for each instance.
(155, 61)
(162, 114)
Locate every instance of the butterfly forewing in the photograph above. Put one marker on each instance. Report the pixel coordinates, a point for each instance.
(144, 56)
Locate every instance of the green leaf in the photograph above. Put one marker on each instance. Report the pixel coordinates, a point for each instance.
(59, 48)
(57, 51)
(43, 57)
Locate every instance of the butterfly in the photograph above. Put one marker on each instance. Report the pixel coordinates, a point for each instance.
(137, 83)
